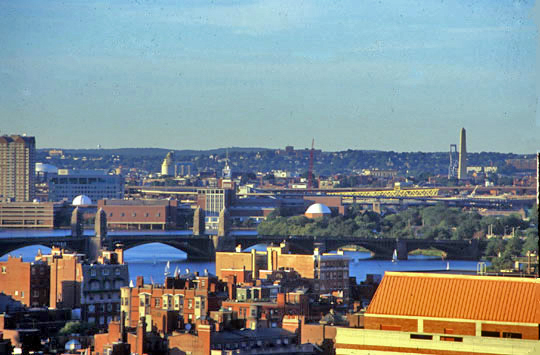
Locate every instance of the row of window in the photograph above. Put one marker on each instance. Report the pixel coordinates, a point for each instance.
(102, 307)
(105, 271)
(134, 214)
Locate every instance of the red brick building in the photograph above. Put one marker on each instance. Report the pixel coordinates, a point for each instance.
(140, 214)
(25, 282)
(66, 277)
(330, 272)
(181, 299)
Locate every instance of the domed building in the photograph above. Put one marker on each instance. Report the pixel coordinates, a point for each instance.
(317, 210)
(82, 200)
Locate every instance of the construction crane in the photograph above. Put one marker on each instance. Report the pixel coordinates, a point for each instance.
(310, 171)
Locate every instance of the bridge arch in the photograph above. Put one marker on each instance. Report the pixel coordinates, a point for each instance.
(191, 251)
(9, 250)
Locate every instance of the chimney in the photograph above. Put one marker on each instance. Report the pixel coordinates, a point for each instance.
(140, 281)
(231, 286)
(281, 300)
(123, 327)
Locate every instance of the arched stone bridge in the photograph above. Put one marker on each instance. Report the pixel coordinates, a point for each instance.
(204, 247)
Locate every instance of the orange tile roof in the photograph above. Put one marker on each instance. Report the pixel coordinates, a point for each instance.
(490, 298)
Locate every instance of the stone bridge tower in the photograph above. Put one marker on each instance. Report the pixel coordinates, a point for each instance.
(199, 224)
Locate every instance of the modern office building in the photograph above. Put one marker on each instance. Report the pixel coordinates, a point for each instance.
(96, 184)
(29, 214)
(17, 168)
(212, 202)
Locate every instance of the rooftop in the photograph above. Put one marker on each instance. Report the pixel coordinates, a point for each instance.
(489, 298)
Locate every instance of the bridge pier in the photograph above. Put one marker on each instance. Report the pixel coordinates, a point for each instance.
(401, 248)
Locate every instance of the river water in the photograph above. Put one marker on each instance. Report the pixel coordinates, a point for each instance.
(150, 261)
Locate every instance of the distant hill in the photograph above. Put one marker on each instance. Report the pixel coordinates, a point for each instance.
(152, 152)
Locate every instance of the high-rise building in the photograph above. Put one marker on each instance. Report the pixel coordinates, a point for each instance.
(96, 184)
(17, 168)
(462, 168)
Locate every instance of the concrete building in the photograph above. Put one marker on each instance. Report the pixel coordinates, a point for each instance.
(17, 168)
(96, 184)
(447, 314)
(330, 272)
(462, 166)
(213, 201)
(29, 214)
(25, 282)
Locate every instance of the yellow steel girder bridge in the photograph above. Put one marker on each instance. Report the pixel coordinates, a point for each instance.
(396, 192)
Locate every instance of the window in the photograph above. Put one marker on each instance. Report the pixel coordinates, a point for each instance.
(109, 307)
(122, 214)
(22, 294)
(117, 272)
(93, 272)
(36, 293)
(486, 333)
(134, 214)
(190, 304)
(16, 293)
(4, 269)
(455, 339)
(158, 214)
(422, 336)
(91, 308)
(157, 302)
(105, 271)
(511, 335)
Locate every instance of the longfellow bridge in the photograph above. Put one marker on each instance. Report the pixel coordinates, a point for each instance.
(203, 247)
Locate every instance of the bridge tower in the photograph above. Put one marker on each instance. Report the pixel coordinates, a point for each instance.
(76, 223)
(198, 222)
(223, 226)
(95, 242)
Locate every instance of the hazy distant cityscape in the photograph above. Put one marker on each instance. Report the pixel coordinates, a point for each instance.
(269, 177)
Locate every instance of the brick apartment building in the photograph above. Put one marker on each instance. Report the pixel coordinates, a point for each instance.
(182, 298)
(66, 277)
(330, 272)
(100, 288)
(25, 282)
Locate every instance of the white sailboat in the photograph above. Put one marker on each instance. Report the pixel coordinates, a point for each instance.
(167, 269)
(394, 256)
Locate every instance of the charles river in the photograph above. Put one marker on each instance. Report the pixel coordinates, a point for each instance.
(150, 261)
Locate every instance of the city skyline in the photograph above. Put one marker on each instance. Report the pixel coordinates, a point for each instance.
(405, 77)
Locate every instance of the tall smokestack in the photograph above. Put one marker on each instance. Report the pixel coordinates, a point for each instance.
(462, 168)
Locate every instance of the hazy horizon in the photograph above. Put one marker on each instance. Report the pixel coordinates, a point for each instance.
(404, 76)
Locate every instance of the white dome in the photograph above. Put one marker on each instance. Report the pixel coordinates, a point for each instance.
(73, 344)
(81, 200)
(318, 208)
(46, 168)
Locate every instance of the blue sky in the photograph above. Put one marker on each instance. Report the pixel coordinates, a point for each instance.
(391, 75)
